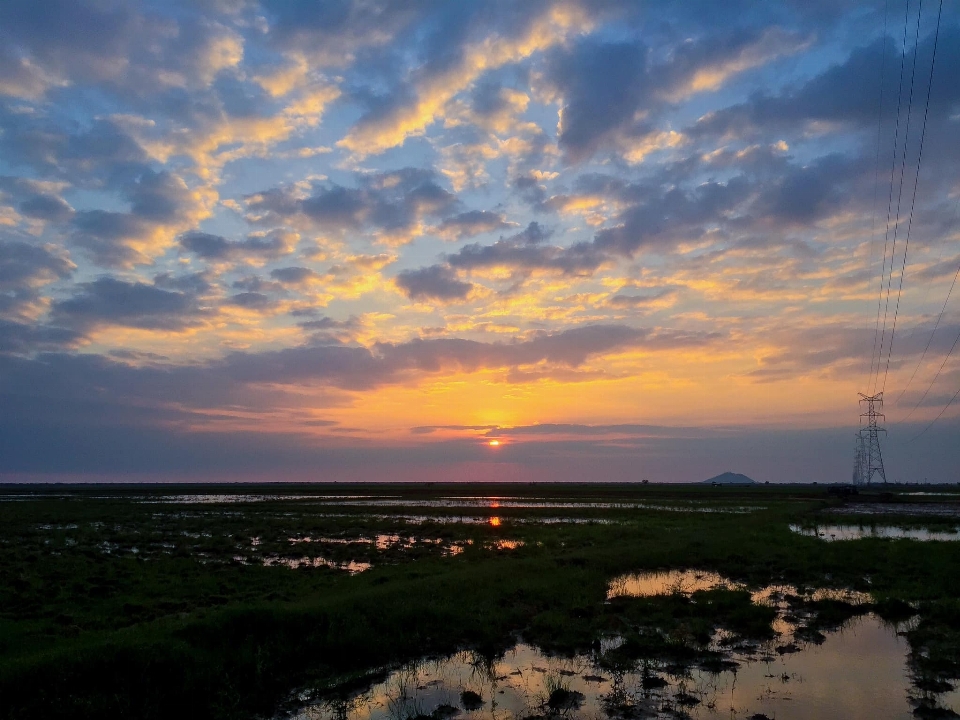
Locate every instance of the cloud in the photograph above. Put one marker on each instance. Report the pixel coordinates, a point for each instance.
(473, 222)
(26, 266)
(391, 205)
(161, 206)
(411, 111)
(24, 270)
(214, 247)
(637, 301)
(594, 75)
(435, 282)
(845, 92)
(293, 275)
(251, 301)
(27, 338)
(332, 34)
(519, 254)
(635, 91)
(47, 207)
(108, 301)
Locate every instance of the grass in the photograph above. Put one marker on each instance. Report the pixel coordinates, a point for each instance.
(91, 628)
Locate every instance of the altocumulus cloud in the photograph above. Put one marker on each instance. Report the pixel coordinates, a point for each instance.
(212, 213)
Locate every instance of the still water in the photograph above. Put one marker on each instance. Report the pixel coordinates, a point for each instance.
(859, 672)
(830, 533)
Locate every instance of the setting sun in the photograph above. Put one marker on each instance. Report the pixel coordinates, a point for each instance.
(494, 443)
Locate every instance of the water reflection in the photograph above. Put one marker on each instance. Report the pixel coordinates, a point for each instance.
(858, 532)
(857, 673)
(445, 502)
(689, 581)
(667, 582)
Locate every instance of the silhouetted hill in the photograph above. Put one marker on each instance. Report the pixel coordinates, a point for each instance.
(730, 478)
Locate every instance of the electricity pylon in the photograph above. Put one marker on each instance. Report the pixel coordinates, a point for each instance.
(858, 461)
(869, 460)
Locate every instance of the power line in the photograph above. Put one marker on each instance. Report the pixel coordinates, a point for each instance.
(935, 377)
(903, 173)
(930, 340)
(876, 183)
(932, 422)
(893, 165)
(916, 181)
(926, 293)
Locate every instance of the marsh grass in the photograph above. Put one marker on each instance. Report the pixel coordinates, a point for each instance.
(91, 629)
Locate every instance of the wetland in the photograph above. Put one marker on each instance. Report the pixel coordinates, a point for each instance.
(412, 601)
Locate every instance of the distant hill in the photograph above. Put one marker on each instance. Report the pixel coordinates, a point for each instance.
(730, 478)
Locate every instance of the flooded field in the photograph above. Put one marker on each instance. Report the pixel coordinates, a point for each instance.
(919, 509)
(404, 603)
(856, 673)
(831, 533)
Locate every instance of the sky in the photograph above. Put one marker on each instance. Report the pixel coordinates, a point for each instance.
(365, 239)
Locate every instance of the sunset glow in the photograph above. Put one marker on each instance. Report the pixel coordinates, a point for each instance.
(255, 240)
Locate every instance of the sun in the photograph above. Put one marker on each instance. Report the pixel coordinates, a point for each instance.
(494, 443)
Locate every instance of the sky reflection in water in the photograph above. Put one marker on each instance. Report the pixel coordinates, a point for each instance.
(830, 533)
(858, 673)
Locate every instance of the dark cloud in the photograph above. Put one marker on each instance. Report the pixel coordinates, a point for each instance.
(47, 207)
(596, 75)
(159, 202)
(578, 259)
(336, 29)
(293, 275)
(622, 429)
(525, 251)
(23, 338)
(569, 348)
(428, 429)
(392, 202)
(251, 300)
(436, 282)
(328, 323)
(639, 300)
(530, 190)
(197, 283)
(474, 222)
(803, 195)
(256, 284)
(848, 92)
(109, 301)
(68, 37)
(24, 270)
(100, 155)
(22, 265)
(633, 91)
(218, 248)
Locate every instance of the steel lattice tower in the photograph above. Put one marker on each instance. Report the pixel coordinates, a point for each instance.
(869, 460)
(858, 461)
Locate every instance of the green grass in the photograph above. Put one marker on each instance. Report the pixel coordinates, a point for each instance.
(158, 633)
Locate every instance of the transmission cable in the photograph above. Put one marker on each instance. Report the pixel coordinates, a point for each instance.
(935, 377)
(876, 185)
(929, 340)
(916, 182)
(903, 173)
(932, 422)
(886, 234)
